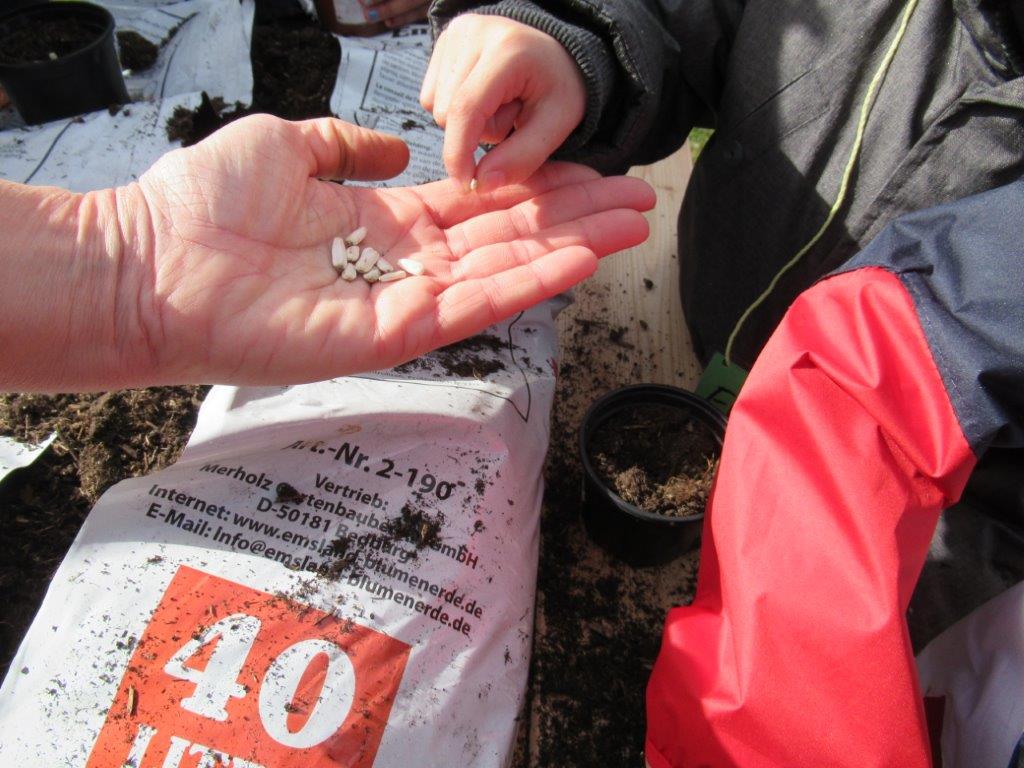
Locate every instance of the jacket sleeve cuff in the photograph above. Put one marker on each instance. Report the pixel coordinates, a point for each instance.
(591, 53)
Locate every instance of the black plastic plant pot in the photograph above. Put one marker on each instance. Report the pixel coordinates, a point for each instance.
(10, 6)
(634, 535)
(59, 60)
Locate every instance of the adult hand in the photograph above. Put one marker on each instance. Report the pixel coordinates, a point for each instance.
(488, 75)
(396, 13)
(215, 266)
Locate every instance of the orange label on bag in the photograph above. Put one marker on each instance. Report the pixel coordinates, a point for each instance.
(226, 675)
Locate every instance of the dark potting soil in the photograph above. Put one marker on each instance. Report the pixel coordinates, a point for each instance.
(412, 526)
(416, 527)
(294, 66)
(657, 458)
(35, 42)
(136, 52)
(190, 126)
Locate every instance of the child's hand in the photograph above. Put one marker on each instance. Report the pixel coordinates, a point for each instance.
(489, 74)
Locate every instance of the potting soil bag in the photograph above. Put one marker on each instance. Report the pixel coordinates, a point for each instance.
(333, 574)
(861, 420)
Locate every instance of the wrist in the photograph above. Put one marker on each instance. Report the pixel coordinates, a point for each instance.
(125, 242)
(69, 269)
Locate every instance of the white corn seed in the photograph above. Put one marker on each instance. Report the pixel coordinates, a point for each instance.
(349, 273)
(366, 260)
(372, 276)
(390, 277)
(411, 266)
(384, 265)
(352, 254)
(472, 185)
(338, 260)
(356, 237)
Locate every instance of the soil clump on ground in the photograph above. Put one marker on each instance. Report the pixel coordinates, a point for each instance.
(657, 458)
(36, 42)
(294, 66)
(190, 126)
(136, 52)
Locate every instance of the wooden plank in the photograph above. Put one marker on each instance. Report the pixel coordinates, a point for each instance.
(619, 296)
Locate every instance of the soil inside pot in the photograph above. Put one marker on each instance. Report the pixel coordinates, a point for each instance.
(36, 42)
(656, 457)
(294, 66)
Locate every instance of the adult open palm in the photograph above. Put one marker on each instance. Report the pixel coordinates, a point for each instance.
(238, 284)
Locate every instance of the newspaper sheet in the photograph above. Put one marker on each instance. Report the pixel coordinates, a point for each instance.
(378, 87)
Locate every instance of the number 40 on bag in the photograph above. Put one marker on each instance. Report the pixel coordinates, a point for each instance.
(226, 675)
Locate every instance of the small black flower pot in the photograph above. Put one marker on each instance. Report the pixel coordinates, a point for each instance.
(10, 6)
(59, 60)
(634, 535)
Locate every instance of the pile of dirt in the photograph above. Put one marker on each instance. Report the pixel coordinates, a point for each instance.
(416, 527)
(657, 458)
(47, 39)
(294, 66)
(101, 440)
(190, 126)
(135, 52)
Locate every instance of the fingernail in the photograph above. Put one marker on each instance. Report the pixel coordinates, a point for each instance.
(490, 181)
(373, 14)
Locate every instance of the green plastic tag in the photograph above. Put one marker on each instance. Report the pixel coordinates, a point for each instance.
(721, 383)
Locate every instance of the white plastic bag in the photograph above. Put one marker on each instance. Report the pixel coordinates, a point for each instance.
(973, 673)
